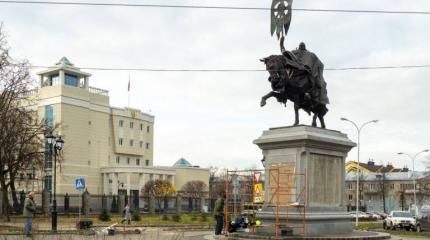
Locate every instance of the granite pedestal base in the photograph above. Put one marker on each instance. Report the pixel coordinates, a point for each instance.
(321, 154)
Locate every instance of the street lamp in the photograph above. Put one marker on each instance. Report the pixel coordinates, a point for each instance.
(413, 170)
(55, 145)
(358, 160)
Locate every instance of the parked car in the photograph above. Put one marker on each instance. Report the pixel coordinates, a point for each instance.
(382, 214)
(399, 219)
(423, 223)
(374, 215)
(361, 215)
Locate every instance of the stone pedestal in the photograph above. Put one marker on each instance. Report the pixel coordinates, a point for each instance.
(321, 154)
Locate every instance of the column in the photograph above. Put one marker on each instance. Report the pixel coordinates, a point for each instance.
(61, 76)
(114, 177)
(86, 84)
(173, 180)
(105, 179)
(41, 82)
(141, 181)
(128, 185)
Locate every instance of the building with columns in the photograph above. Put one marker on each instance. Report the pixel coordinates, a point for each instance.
(110, 147)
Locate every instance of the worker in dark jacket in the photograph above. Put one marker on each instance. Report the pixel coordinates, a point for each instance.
(28, 213)
(219, 214)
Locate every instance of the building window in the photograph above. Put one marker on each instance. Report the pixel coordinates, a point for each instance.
(147, 145)
(131, 142)
(141, 127)
(47, 183)
(350, 186)
(49, 121)
(148, 128)
(392, 186)
(48, 156)
(121, 123)
(128, 161)
(118, 160)
(131, 124)
(49, 116)
(147, 162)
(141, 144)
(137, 161)
(120, 141)
(372, 186)
(350, 197)
(53, 80)
(71, 80)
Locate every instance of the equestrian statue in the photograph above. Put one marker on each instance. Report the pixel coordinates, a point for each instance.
(295, 75)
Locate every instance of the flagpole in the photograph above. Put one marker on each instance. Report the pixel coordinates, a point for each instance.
(128, 91)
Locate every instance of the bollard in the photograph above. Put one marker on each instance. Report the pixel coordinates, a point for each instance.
(45, 202)
(178, 203)
(86, 197)
(152, 204)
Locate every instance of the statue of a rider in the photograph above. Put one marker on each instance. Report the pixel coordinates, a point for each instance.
(318, 90)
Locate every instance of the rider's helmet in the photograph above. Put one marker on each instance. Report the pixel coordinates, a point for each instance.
(302, 46)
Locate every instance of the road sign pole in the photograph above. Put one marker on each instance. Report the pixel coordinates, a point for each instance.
(80, 186)
(80, 203)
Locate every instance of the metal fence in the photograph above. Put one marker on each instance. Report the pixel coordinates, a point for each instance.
(87, 203)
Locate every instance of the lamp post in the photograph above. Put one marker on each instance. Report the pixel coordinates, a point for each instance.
(413, 170)
(358, 160)
(55, 145)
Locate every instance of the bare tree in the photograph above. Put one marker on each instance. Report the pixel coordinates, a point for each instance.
(21, 133)
(194, 190)
(383, 188)
(217, 182)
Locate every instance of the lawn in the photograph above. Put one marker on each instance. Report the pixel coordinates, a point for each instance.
(400, 232)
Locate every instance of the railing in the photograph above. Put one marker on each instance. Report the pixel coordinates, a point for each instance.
(31, 92)
(98, 91)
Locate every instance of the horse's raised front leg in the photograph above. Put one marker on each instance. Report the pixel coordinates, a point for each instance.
(314, 120)
(265, 97)
(296, 112)
(321, 118)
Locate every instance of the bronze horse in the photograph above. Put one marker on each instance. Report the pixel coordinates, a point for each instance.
(292, 81)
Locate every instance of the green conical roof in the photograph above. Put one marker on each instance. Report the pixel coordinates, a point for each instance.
(182, 162)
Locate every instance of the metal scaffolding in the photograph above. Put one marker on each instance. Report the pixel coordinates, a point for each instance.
(287, 190)
(241, 196)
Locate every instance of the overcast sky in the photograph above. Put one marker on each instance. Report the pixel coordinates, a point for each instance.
(211, 119)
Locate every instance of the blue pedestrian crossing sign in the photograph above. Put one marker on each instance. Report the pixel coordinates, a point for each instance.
(80, 184)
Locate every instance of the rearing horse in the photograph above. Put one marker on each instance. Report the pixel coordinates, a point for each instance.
(291, 80)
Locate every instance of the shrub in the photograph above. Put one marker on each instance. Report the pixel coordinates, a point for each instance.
(193, 217)
(176, 218)
(136, 217)
(104, 216)
(164, 217)
(203, 217)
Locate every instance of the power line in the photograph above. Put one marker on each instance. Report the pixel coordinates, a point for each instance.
(211, 7)
(234, 70)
